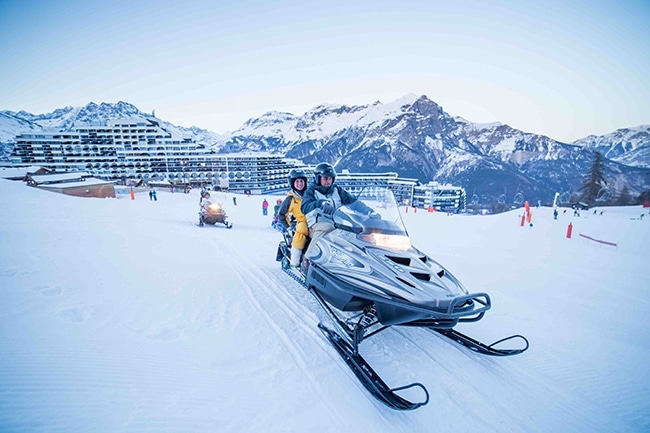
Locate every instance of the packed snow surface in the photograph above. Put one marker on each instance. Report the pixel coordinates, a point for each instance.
(121, 315)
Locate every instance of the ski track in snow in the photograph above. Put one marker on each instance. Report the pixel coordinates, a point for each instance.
(293, 314)
(258, 287)
(400, 355)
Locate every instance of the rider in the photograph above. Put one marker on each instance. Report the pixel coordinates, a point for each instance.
(322, 198)
(290, 210)
(205, 203)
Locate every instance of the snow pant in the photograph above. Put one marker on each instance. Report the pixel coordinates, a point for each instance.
(300, 236)
(317, 231)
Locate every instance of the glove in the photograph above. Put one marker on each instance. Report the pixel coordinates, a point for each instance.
(327, 208)
(374, 215)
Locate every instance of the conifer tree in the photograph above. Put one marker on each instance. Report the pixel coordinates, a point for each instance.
(594, 180)
(625, 197)
(644, 197)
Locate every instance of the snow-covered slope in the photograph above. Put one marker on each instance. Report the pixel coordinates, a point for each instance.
(121, 316)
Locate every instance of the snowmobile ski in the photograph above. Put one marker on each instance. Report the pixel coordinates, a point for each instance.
(482, 348)
(369, 378)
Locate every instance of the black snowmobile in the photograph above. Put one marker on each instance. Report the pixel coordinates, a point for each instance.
(212, 211)
(368, 277)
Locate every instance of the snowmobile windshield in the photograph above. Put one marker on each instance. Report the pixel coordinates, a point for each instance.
(218, 198)
(375, 218)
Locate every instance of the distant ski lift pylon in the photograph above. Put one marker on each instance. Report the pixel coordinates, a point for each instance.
(604, 194)
(565, 197)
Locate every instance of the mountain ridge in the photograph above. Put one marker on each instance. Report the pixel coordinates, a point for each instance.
(412, 136)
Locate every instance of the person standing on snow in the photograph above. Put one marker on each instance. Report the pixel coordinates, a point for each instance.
(289, 211)
(322, 198)
(265, 207)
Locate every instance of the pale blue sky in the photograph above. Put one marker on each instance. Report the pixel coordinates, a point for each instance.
(561, 68)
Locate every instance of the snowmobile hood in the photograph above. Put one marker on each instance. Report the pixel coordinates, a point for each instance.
(371, 257)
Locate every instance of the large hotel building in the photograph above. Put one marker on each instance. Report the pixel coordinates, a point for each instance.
(141, 149)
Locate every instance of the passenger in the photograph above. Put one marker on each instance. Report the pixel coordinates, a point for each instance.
(322, 198)
(290, 212)
(204, 203)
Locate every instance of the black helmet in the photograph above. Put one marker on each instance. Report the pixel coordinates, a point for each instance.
(323, 169)
(297, 173)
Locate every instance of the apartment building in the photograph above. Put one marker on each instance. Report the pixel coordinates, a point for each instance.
(140, 148)
(447, 198)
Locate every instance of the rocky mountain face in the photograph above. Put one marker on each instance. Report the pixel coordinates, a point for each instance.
(412, 136)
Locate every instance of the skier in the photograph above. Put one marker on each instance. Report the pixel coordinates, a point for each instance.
(289, 212)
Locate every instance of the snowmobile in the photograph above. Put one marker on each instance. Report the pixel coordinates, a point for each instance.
(212, 212)
(368, 277)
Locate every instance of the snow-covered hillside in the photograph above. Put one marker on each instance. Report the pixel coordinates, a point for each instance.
(122, 316)
(626, 145)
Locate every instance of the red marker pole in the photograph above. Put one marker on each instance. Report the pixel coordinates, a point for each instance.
(569, 230)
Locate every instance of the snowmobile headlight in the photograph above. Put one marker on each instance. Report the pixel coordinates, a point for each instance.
(393, 242)
(215, 207)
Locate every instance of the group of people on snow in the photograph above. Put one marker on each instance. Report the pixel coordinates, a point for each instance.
(310, 207)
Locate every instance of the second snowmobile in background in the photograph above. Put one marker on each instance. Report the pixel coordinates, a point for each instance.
(212, 212)
(368, 277)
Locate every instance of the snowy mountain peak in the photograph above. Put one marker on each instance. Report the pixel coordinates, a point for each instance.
(411, 135)
(630, 146)
(267, 119)
(415, 137)
(67, 118)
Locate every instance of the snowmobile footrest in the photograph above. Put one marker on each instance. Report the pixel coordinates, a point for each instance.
(369, 378)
